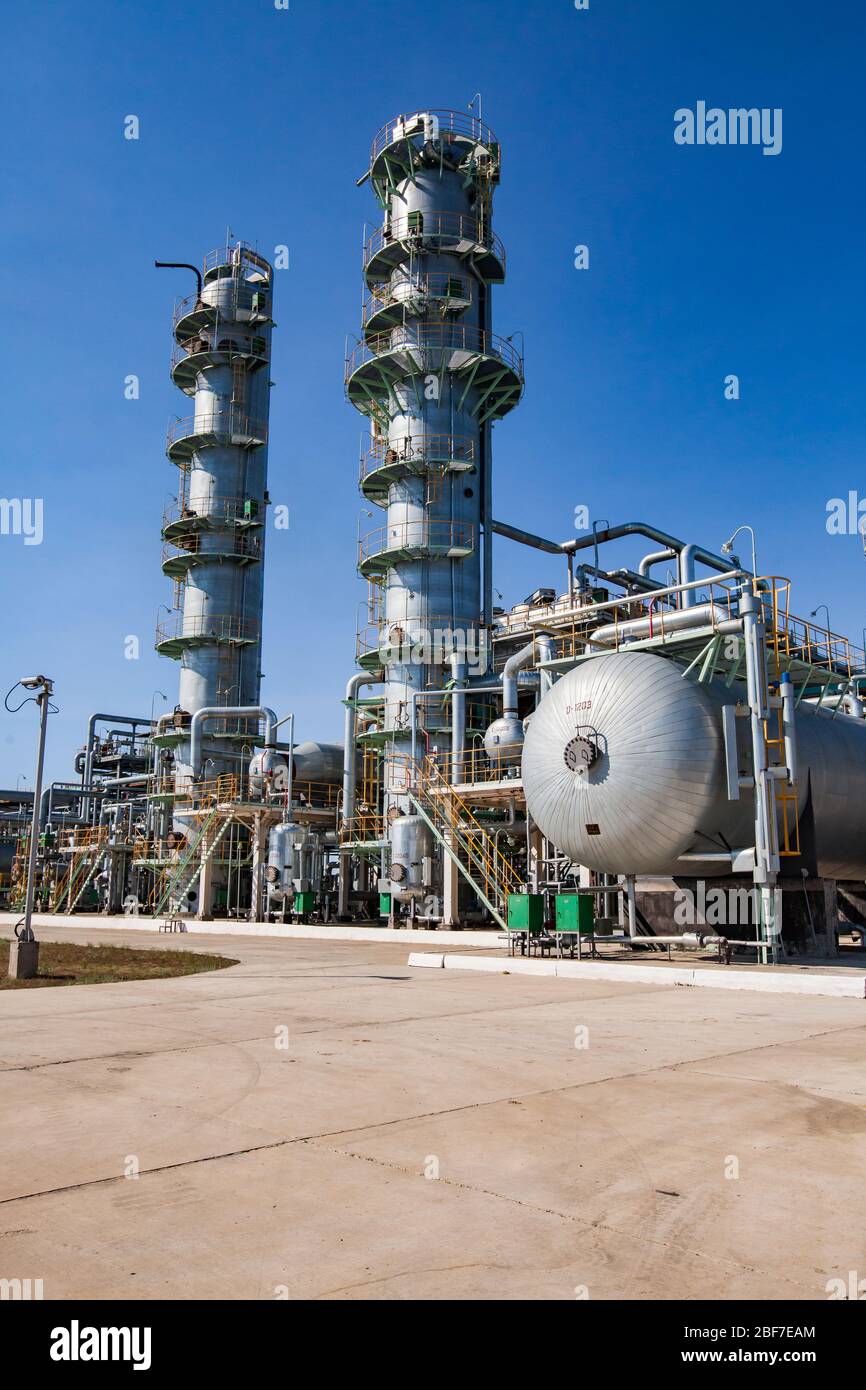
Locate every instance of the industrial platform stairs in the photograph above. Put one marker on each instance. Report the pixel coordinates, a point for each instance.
(199, 850)
(465, 840)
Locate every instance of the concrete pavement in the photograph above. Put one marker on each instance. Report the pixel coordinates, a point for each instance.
(324, 1121)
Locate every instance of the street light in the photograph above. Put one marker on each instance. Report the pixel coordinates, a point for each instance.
(24, 955)
(814, 614)
(728, 547)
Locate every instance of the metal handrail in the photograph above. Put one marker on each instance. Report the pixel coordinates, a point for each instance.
(219, 627)
(434, 226)
(242, 545)
(415, 629)
(438, 285)
(212, 508)
(241, 299)
(439, 449)
(222, 424)
(235, 254)
(458, 337)
(413, 535)
(454, 123)
(256, 346)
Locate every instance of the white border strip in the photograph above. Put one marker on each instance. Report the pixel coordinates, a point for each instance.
(779, 981)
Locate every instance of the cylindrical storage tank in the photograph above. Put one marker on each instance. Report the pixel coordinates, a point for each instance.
(624, 771)
(411, 843)
(318, 762)
(503, 741)
(280, 858)
(268, 774)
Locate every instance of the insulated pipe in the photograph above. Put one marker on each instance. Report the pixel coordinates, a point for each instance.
(546, 652)
(685, 618)
(657, 557)
(226, 712)
(458, 716)
(353, 685)
(585, 609)
(350, 760)
(641, 528)
(518, 662)
(91, 742)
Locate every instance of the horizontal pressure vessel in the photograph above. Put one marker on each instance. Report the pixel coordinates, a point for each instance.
(624, 771)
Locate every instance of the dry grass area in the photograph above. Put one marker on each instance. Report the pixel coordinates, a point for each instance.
(67, 963)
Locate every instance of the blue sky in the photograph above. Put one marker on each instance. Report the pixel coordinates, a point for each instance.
(704, 261)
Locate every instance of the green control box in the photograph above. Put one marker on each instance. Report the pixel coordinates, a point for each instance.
(575, 912)
(384, 904)
(525, 912)
(304, 903)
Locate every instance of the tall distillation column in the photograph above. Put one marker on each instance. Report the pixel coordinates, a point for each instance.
(432, 378)
(214, 532)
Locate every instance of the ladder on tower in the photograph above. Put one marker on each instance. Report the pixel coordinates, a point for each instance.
(464, 839)
(193, 859)
(785, 793)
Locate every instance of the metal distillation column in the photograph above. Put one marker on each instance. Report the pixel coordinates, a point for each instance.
(432, 378)
(214, 533)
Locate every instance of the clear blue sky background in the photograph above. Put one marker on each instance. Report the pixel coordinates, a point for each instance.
(704, 261)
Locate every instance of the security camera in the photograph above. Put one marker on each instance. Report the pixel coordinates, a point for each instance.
(34, 682)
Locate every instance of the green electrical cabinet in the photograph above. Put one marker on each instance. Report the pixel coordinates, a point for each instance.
(384, 904)
(304, 903)
(525, 912)
(575, 912)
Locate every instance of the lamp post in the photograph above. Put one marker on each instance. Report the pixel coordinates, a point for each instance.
(728, 547)
(24, 951)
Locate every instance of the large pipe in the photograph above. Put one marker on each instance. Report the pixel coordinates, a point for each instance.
(678, 621)
(612, 533)
(518, 662)
(226, 712)
(181, 265)
(350, 763)
(656, 557)
(458, 716)
(92, 722)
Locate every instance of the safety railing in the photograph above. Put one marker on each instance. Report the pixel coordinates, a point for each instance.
(792, 639)
(218, 427)
(225, 627)
(418, 452)
(238, 545)
(444, 537)
(436, 338)
(803, 640)
(239, 256)
(367, 827)
(245, 299)
(451, 124)
(442, 231)
(413, 296)
(231, 345)
(212, 508)
(234, 787)
(477, 851)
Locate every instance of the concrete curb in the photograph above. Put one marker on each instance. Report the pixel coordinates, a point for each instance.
(473, 940)
(785, 981)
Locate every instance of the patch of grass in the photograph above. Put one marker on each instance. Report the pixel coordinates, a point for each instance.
(68, 963)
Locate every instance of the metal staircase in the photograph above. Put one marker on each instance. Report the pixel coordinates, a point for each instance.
(86, 880)
(464, 839)
(197, 853)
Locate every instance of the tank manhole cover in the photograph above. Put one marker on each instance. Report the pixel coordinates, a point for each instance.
(579, 755)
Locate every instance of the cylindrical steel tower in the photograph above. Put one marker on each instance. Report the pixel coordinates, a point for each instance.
(214, 533)
(432, 377)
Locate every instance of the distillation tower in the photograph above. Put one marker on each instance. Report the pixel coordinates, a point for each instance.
(214, 532)
(432, 377)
